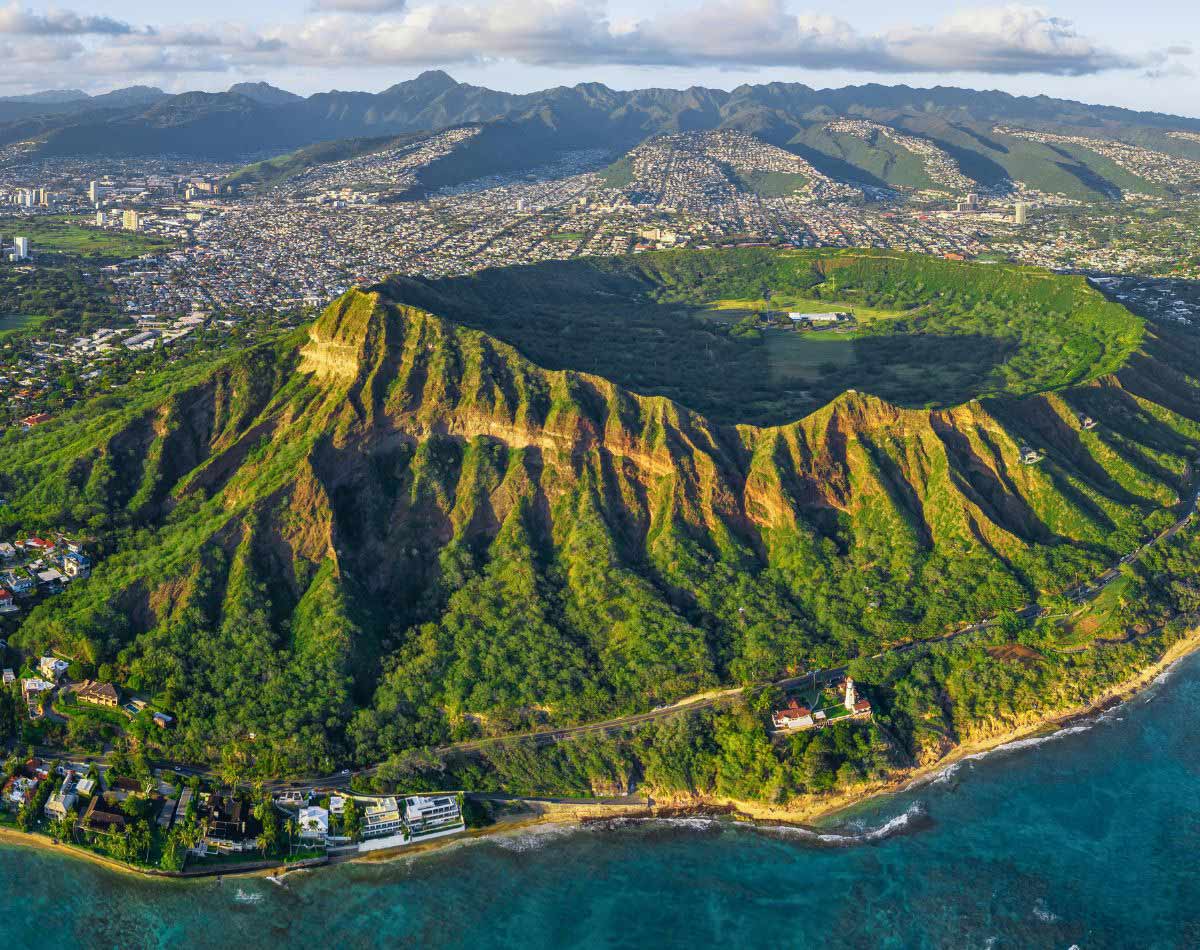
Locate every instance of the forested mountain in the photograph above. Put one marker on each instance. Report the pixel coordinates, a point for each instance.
(393, 529)
(525, 130)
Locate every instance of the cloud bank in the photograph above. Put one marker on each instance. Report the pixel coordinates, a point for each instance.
(743, 34)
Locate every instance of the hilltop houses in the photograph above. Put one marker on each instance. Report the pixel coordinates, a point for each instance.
(52, 668)
(98, 694)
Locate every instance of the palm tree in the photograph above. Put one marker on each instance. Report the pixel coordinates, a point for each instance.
(292, 827)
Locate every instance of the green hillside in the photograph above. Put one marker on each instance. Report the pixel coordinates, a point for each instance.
(392, 530)
(875, 161)
(274, 171)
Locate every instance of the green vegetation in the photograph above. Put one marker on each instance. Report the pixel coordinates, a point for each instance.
(771, 184)
(10, 324)
(875, 160)
(66, 236)
(274, 171)
(934, 332)
(391, 531)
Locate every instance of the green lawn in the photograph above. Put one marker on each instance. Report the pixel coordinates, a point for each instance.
(785, 302)
(11, 323)
(62, 234)
(566, 236)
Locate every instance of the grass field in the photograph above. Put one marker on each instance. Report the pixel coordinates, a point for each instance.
(11, 323)
(864, 315)
(566, 236)
(61, 234)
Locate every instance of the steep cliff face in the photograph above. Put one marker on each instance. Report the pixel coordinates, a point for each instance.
(424, 530)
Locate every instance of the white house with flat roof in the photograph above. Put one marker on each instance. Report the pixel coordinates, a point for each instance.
(424, 811)
(381, 816)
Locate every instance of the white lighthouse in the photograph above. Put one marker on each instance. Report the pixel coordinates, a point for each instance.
(851, 695)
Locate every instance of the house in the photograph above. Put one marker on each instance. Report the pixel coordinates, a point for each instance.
(63, 800)
(124, 786)
(85, 787)
(230, 824)
(381, 817)
(314, 823)
(76, 565)
(40, 545)
(162, 720)
(100, 820)
(32, 691)
(7, 551)
(18, 791)
(53, 668)
(9, 677)
(7, 604)
(52, 579)
(98, 694)
(426, 812)
(337, 805)
(792, 716)
(35, 420)
(17, 580)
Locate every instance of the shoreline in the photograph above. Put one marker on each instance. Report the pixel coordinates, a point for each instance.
(533, 813)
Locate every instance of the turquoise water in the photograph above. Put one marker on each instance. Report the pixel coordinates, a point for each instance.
(1090, 839)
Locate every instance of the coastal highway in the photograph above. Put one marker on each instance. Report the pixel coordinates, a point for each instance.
(1030, 612)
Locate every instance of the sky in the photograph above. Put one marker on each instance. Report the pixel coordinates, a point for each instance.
(1139, 55)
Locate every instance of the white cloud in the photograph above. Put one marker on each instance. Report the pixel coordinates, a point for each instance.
(742, 34)
(19, 20)
(360, 6)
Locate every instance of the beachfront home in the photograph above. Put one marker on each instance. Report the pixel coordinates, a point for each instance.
(381, 817)
(425, 813)
(18, 791)
(63, 800)
(314, 824)
(230, 825)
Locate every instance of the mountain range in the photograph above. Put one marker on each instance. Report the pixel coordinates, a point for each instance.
(523, 130)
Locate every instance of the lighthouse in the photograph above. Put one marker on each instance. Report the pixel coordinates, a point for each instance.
(851, 695)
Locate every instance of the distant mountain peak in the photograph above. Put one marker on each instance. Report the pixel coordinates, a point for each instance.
(264, 93)
(49, 96)
(432, 82)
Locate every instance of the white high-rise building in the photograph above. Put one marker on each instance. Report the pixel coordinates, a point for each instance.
(1020, 212)
(21, 247)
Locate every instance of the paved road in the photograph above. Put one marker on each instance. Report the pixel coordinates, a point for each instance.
(1080, 594)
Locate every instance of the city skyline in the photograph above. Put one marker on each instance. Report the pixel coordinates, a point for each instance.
(1066, 51)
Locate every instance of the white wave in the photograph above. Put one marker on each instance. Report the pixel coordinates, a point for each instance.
(1044, 913)
(247, 897)
(531, 839)
(859, 836)
(1031, 742)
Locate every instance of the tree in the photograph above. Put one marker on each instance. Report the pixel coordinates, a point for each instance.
(352, 821)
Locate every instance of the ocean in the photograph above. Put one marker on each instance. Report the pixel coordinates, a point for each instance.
(1086, 839)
